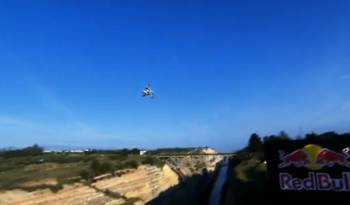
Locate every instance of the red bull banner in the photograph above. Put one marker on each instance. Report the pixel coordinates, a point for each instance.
(315, 182)
(309, 169)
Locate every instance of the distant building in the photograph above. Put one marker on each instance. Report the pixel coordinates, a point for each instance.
(67, 151)
(76, 151)
(143, 152)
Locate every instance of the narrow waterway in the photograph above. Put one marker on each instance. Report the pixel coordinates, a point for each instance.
(216, 192)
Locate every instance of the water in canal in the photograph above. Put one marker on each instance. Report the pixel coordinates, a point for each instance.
(216, 192)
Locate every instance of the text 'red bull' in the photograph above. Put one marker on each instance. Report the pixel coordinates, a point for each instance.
(315, 182)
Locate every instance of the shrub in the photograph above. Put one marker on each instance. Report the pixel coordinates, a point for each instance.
(131, 164)
(105, 167)
(85, 175)
(149, 160)
(95, 167)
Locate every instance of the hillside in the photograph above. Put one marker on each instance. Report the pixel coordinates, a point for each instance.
(96, 177)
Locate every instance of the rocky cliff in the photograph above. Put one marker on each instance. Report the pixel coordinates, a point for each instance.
(135, 187)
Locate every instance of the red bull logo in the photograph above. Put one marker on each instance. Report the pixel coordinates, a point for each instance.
(315, 182)
(314, 157)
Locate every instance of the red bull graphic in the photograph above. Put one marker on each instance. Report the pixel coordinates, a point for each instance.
(315, 182)
(330, 158)
(298, 158)
(314, 157)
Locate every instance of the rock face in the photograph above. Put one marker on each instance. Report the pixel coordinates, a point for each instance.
(190, 165)
(208, 151)
(144, 183)
(137, 186)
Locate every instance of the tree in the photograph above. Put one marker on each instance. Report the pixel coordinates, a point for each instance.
(34, 150)
(311, 136)
(281, 137)
(284, 135)
(255, 144)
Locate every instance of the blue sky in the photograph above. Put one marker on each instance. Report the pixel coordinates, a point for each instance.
(71, 72)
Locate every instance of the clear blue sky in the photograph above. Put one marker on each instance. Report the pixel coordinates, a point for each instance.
(71, 72)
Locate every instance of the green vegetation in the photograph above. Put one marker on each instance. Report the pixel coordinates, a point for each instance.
(249, 178)
(30, 168)
(34, 150)
(255, 144)
(152, 161)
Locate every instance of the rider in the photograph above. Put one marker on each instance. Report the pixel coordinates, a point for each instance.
(146, 91)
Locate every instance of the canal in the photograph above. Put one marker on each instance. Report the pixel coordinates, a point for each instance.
(216, 193)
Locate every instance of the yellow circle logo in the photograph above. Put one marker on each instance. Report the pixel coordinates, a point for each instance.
(312, 151)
